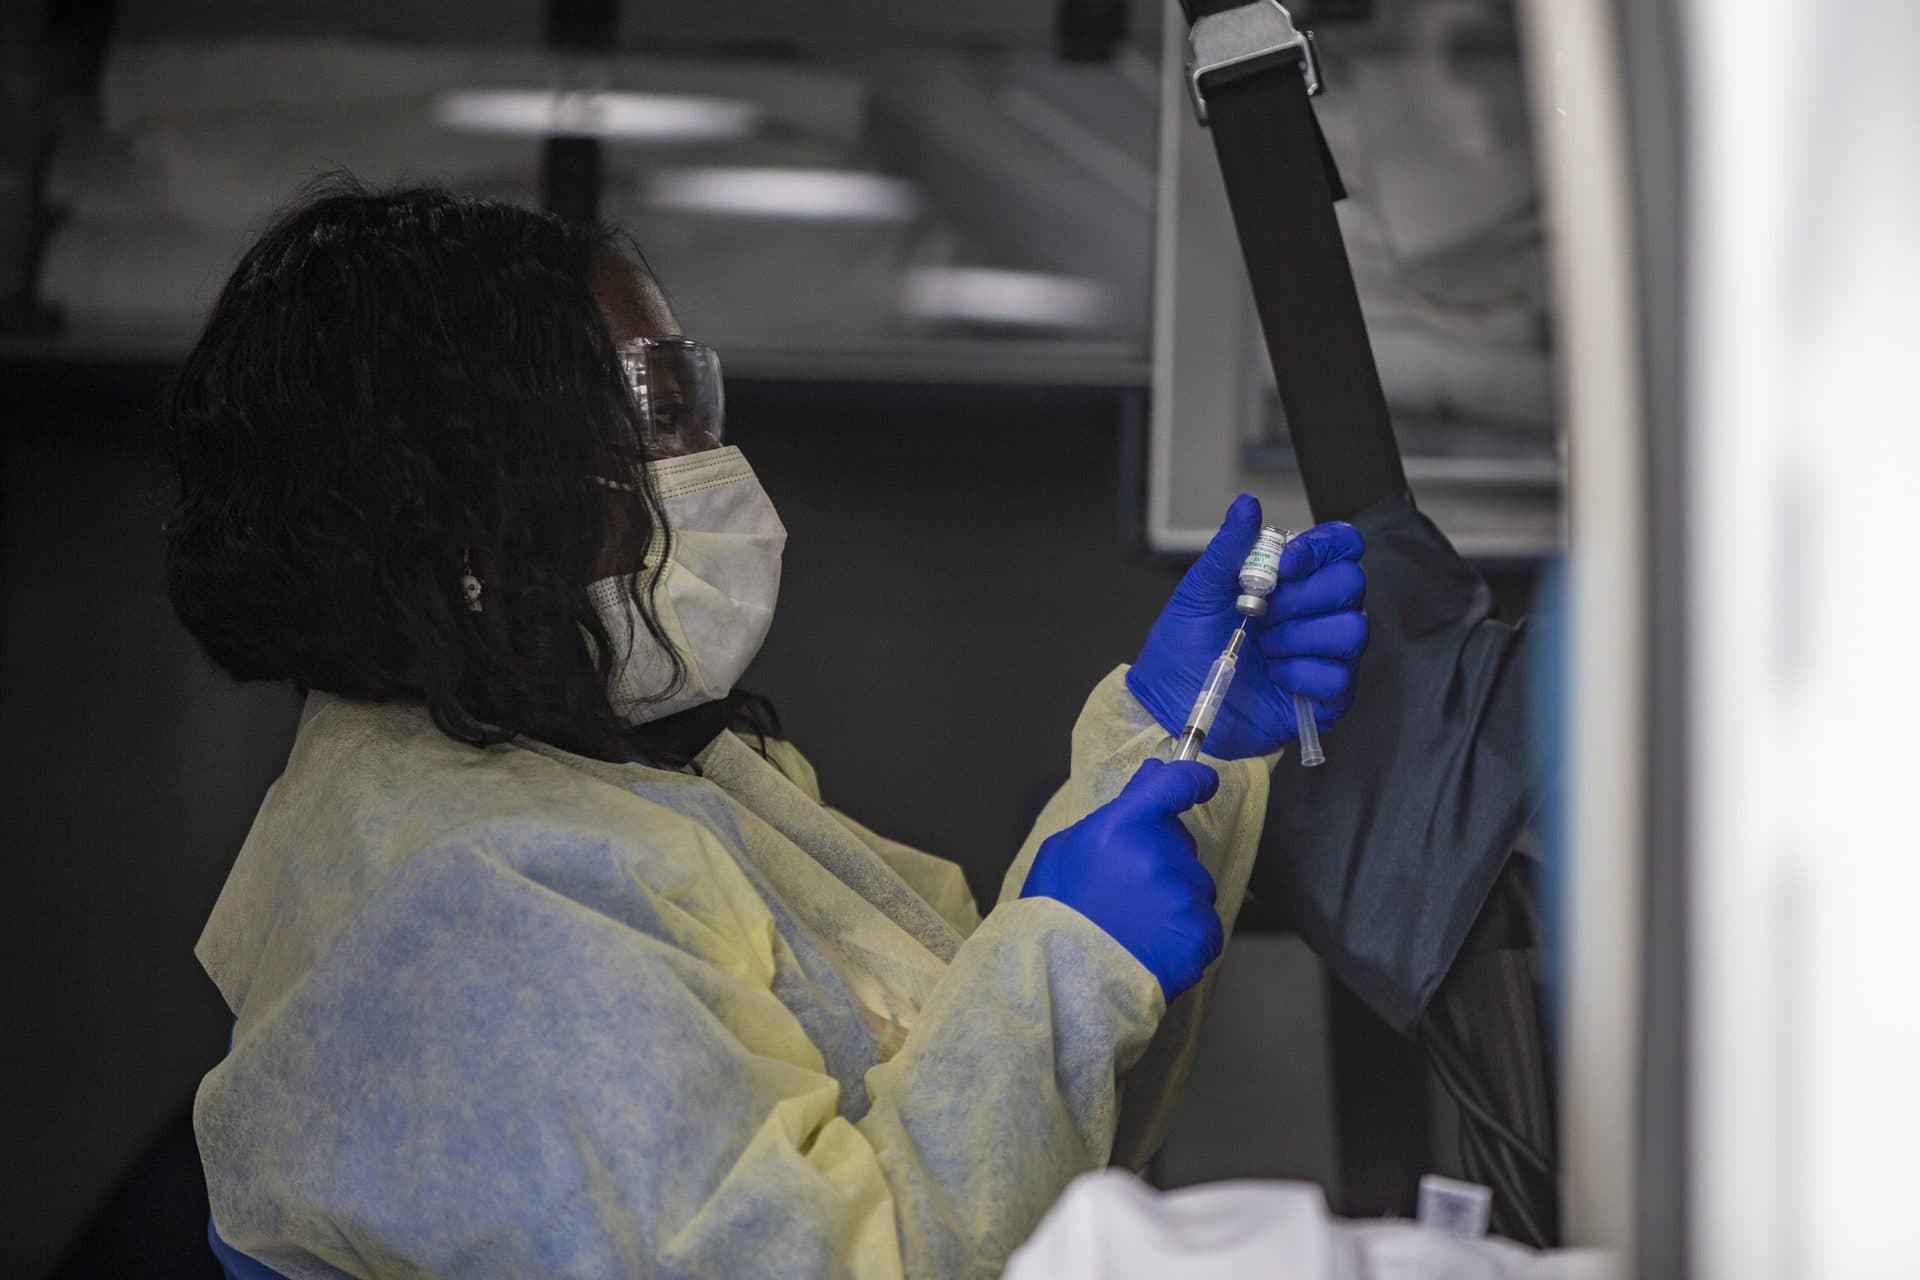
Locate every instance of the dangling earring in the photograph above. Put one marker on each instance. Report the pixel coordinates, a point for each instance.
(470, 586)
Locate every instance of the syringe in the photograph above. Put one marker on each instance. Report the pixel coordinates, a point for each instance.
(1213, 692)
(1259, 575)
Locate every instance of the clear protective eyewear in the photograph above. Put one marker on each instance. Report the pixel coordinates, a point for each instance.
(676, 386)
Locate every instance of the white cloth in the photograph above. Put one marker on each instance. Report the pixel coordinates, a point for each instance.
(1112, 1226)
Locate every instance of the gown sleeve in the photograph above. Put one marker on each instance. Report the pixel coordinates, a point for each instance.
(1113, 736)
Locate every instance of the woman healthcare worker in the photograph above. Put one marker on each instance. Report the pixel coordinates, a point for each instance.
(544, 963)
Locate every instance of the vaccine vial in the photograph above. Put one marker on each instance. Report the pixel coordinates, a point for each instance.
(1260, 572)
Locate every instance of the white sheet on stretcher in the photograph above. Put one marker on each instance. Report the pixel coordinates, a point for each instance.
(1112, 1226)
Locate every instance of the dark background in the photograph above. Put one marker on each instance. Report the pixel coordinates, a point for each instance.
(964, 564)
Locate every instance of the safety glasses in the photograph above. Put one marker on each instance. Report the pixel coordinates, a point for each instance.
(676, 386)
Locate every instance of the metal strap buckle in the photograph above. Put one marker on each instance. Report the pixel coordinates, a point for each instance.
(1259, 30)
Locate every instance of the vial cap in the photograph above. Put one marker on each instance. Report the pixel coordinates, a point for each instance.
(1251, 605)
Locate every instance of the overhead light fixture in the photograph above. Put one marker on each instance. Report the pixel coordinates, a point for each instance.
(617, 116)
(761, 192)
(990, 295)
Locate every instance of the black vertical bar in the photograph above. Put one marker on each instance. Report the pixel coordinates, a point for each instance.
(571, 177)
(26, 125)
(1379, 1108)
(1089, 30)
(580, 24)
(572, 169)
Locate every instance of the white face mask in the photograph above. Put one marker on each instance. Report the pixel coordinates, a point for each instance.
(715, 598)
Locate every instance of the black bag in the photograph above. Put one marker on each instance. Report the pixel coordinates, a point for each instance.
(1381, 857)
(1395, 859)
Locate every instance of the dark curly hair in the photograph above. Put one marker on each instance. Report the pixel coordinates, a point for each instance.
(392, 386)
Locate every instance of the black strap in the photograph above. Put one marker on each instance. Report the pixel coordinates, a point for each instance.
(1282, 184)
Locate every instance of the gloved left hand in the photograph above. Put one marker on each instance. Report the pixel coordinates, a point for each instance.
(1309, 640)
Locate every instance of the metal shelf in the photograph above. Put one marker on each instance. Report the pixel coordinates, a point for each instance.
(1450, 452)
(980, 361)
(1463, 470)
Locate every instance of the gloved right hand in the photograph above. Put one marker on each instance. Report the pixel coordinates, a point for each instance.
(1132, 868)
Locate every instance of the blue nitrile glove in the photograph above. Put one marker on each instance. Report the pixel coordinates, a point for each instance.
(1130, 866)
(1308, 641)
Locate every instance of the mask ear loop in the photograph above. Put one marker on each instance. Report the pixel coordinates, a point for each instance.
(470, 585)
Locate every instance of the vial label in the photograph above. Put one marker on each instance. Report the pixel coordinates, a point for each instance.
(1262, 561)
(1260, 571)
